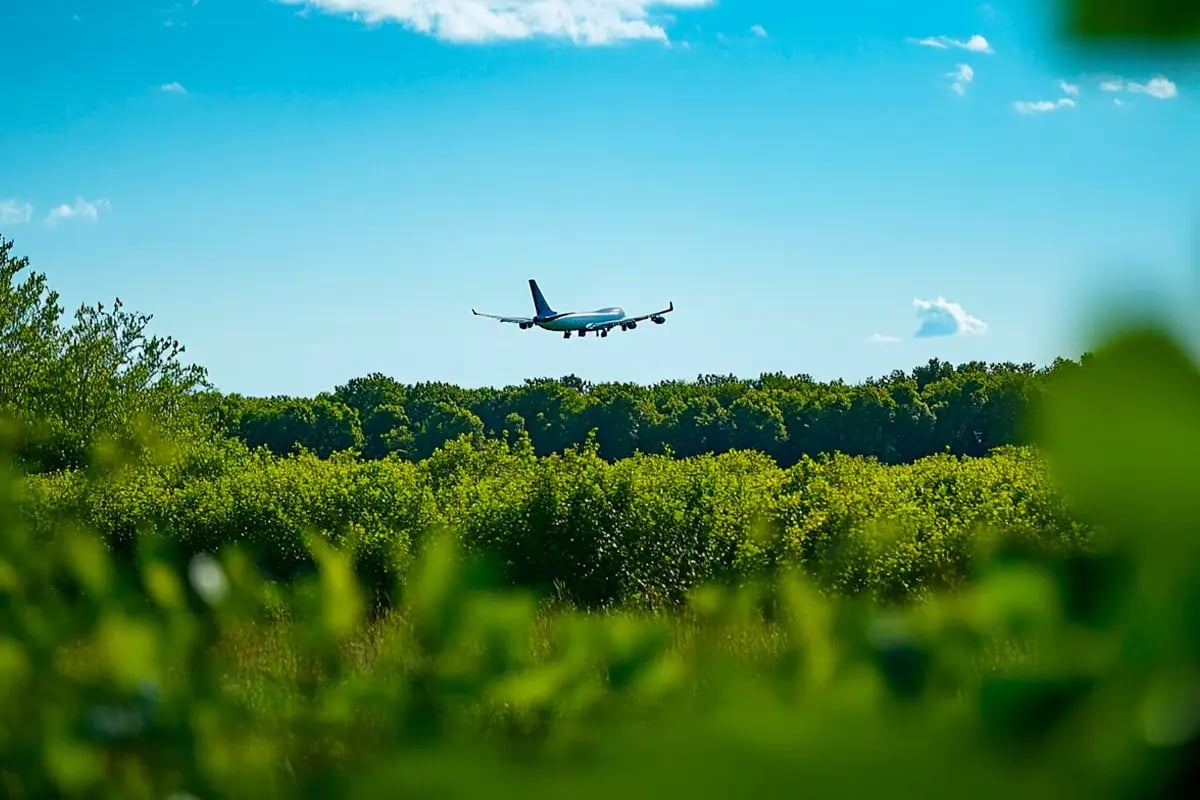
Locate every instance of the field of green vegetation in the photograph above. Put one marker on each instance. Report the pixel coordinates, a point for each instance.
(962, 581)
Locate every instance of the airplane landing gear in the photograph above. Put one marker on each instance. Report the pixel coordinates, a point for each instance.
(566, 334)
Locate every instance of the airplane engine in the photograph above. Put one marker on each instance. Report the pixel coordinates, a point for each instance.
(658, 320)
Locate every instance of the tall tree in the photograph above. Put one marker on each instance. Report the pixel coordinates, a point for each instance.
(104, 376)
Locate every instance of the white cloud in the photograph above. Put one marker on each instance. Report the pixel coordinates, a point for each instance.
(1042, 106)
(174, 87)
(962, 76)
(758, 30)
(976, 44)
(591, 22)
(1070, 92)
(880, 338)
(1158, 87)
(943, 318)
(1069, 88)
(15, 212)
(80, 209)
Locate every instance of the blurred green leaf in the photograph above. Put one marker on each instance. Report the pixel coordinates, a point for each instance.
(14, 667)
(341, 601)
(1153, 20)
(130, 649)
(73, 766)
(90, 562)
(164, 586)
(1122, 435)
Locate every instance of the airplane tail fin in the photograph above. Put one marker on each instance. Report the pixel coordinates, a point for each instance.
(539, 301)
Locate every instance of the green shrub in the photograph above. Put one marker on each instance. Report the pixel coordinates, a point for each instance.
(645, 529)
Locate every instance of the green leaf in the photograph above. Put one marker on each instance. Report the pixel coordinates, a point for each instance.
(89, 561)
(130, 650)
(1122, 433)
(73, 766)
(1153, 20)
(341, 597)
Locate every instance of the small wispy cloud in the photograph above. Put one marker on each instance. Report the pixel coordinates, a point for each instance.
(15, 212)
(81, 209)
(174, 87)
(1042, 106)
(1069, 92)
(595, 22)
(881, 338)
(975, 44)
(1159, 87)
(176, 14)
(941, 317)
(758, 30)
(962, 76)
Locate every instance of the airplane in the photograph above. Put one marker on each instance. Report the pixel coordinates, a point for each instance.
(601, 321)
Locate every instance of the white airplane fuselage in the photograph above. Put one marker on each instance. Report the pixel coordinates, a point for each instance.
(580, 320)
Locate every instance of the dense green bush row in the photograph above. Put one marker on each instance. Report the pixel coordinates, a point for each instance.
(642, 529)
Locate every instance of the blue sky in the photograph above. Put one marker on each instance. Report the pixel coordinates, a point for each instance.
(303, 193)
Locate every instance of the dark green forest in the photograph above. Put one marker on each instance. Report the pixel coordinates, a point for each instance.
(965, 409)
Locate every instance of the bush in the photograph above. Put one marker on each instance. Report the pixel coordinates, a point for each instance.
(645, 529)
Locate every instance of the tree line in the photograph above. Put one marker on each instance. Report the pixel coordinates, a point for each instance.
(965, 409)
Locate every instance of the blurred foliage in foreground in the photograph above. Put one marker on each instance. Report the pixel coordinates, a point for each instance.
(1148, 21)
(1046, 676)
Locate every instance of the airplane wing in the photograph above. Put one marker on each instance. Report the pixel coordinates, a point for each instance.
(503, 319)
(655, 316)
(631, 322)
